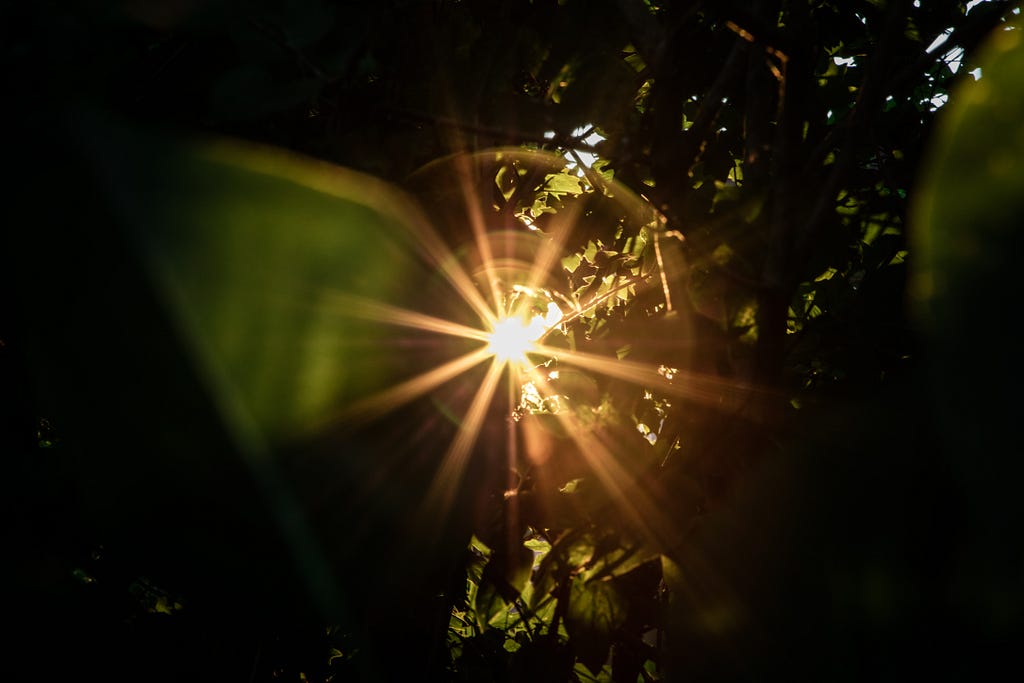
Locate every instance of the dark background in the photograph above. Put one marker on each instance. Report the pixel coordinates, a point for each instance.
(880, 542)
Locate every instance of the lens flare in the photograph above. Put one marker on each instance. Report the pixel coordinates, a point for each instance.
(511, 339)
(496, 307)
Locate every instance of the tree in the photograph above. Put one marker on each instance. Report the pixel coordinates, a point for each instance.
(719, 461)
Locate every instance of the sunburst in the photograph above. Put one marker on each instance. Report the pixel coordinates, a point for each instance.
(514, 314)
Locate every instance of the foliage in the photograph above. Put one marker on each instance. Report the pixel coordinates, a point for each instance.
(744, 484)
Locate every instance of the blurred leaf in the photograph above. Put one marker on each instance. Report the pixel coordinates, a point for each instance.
(968, 212)
(259, 254)
(966, 263)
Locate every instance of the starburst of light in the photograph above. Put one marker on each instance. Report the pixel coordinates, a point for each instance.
(510, 339)
(514, 315)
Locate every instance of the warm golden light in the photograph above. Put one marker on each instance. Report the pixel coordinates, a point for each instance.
(510, 281)
(511, 340)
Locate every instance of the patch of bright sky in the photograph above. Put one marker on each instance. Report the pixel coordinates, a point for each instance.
(952, 58)
(585, 157)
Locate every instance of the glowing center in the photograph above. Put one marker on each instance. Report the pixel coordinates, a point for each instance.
(511, 339)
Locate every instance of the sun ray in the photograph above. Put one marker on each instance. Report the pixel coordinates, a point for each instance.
(551, 249)
(455, 274)
(449, 474)
(436, 246)
(639, 511)
(478, 226)
(512, 450)
(510, 340)
(338, 182)
(506, 279)
(690, 385)
(596, 301)
(400, 394)
(377, 311)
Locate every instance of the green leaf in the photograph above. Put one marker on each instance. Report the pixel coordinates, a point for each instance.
(487, 604)
(260, 255)
(509, 571)
(968, 212)
(615, 559)
(966, 282)
(594, 613)
(563, 183)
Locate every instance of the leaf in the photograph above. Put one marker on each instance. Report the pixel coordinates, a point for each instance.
(580, 388)
(226, 273)
(487, 604)
(509, 572)
(259, 255)
(567, 554)
(968, 212)
(615, 559)
(563, 183)
(966, 283)
(594, 613)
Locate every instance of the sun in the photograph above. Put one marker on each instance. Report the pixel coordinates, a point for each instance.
(509, 281)
(510, 340)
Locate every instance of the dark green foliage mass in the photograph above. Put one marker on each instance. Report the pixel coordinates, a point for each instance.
(770, 433)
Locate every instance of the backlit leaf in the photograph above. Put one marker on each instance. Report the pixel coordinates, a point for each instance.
(595, 611)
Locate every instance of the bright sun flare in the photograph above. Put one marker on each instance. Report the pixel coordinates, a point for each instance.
(511, 325)
(510, 340)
